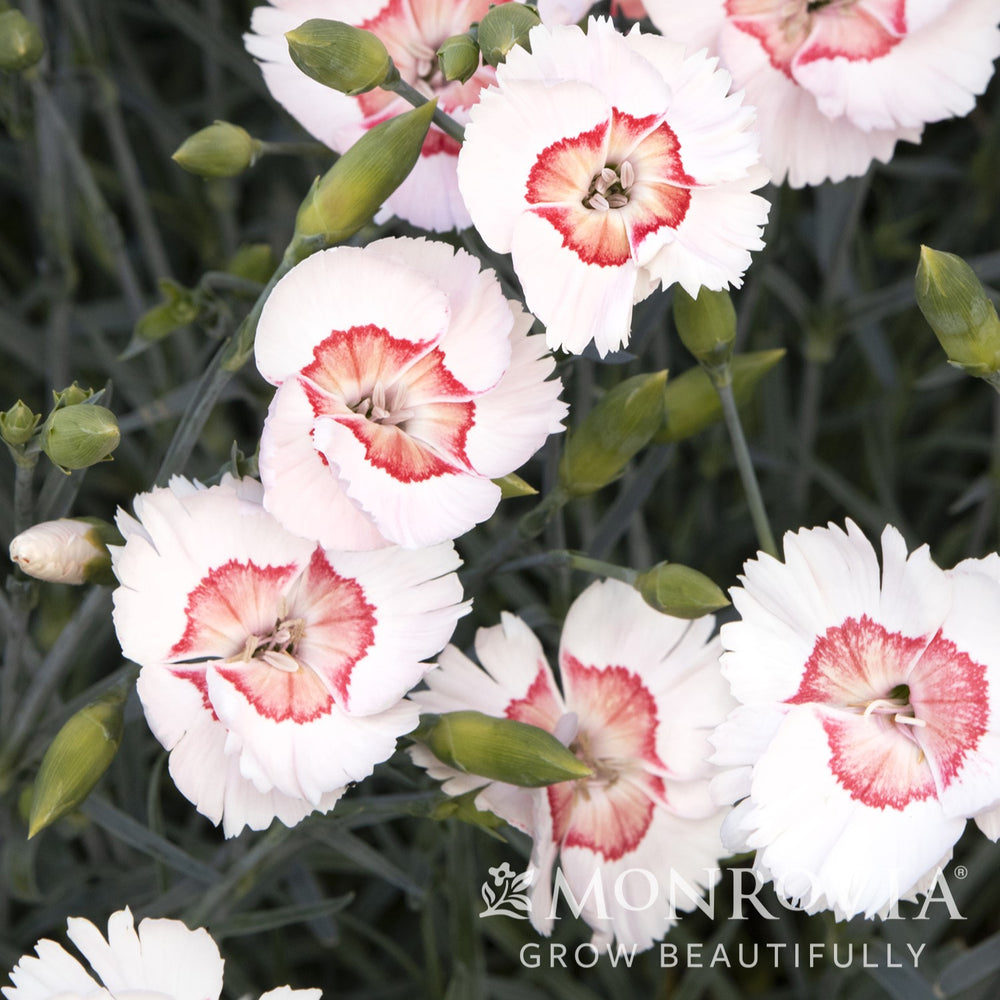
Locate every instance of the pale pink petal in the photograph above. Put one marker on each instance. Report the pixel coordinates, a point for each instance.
(824, 845)
(413, 498)
(51, 971)
(338, 290)
(933, 73)
(513, 421)
(165, 957)
(287, 993)
(577, 301)
(301, 489)
(988, 822)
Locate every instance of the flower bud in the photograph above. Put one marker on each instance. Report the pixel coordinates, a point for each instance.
(79, 436)
(706, 325)
(691, 402)
(458, 57)
(679, 591)
(17, 425)
(253, 261)
(340, 56)
(623, 422)
(219, 150)
(177, 309)
(70, 396)
(69, 550)
(353, 189)
(499, 749)
(959, 312)
(503, 27)
(21, 44)
(78, 756)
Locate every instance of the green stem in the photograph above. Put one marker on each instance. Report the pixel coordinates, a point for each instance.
(445, 122)
(23, 500)
(722, 380)
(577, 561)
(292, 149)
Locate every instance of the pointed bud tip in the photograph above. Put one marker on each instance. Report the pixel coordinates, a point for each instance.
(218, 150)
(21, 44)
(81, 435)
(706, 325)
(680, 591)
(340, 56)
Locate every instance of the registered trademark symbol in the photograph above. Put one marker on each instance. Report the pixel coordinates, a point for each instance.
(961, 871)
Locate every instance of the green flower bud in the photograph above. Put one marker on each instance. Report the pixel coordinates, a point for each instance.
(219, 150)
(79, 436)
(959, 312)
(706, 324)
(458, 57)
(512, 485)
(340, 56)
(504, 27)
(623, 422)
(353, 189)
(70, 396)
(177, 309)
(253, 261)
(69, 550)
(679, 591)
(692, 403)
(78, 756)
(21, 44)
(499, 749)
(17, 425)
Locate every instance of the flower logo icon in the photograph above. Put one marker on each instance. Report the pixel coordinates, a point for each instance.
(506, 897)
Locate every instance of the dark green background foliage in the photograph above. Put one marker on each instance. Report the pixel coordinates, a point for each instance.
(380, 899)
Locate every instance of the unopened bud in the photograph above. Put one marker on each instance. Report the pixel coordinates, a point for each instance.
(623, 422)
(21, 44)
(503, 27)
(679, 591)
(499, 749)
(79, 436)
(17, 425)
(74, 762)
(340, 56)
(70, 396)
(691, 402)
(219, 150)
(177, 308)
(959, 312)
(706, 325)
(458, 57)
(354, 188)
(69, 550)
(253, 261)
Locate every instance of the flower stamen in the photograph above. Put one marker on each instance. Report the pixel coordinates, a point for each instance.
(609, 188)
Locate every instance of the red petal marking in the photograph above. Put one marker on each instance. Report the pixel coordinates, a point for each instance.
(844, 30)
(444, 427)
(855, 662)
(429, 380)
(875, 763)
(595, 237)
(276, 694)
(347, 364)
(541, 705)
(610, 819)
(563, 171)
(438, 142)
(848, 33)
(197, 677)
(657, 156)
(404, 458)
(617, 712)
(950, 692)
(652, 207)
(872, 757)
(339, 622)
(233, 601)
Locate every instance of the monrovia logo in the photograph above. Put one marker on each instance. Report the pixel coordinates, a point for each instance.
(637, 889)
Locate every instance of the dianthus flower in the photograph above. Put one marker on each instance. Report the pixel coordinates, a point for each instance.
(837, 83)
(406, 384)
(607, 165)
(640, 694)
(868, 732)
(272, 668)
